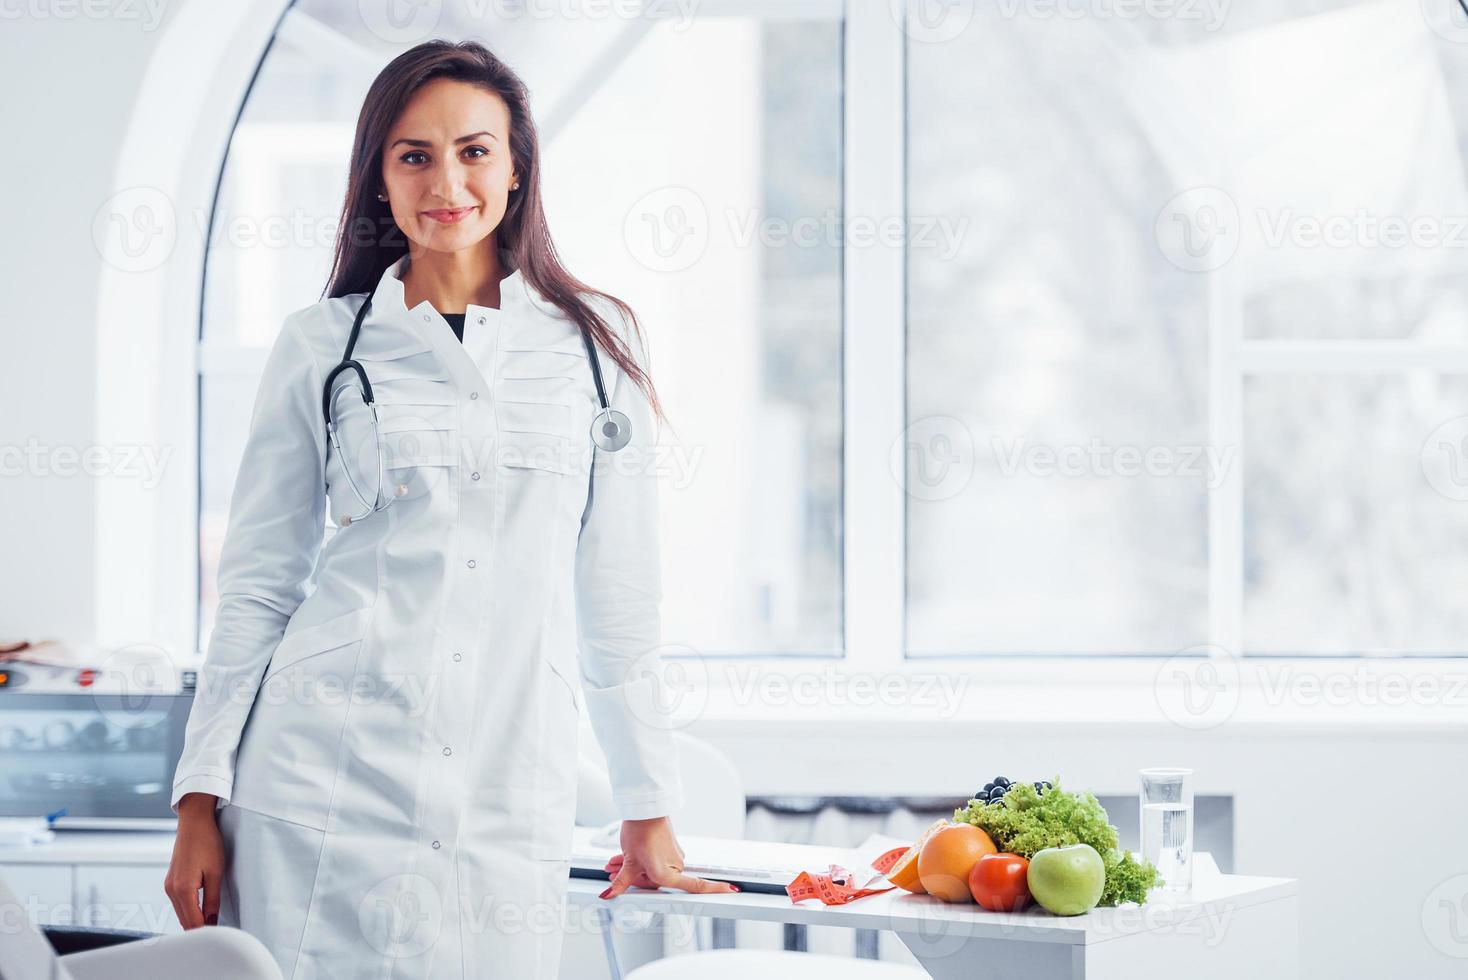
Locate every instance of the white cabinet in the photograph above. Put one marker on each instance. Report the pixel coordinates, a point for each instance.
(112, 879)
(44, 891)
(121, 896)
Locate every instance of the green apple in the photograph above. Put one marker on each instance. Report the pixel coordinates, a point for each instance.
(1067, 880)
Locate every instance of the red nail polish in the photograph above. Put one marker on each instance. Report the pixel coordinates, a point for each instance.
(734, 886)
(604, 894)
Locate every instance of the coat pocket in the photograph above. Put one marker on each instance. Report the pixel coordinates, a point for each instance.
(567, 365)
(420, 447)
(289, 748)
(558, 765)
(565, 682)
(308, 641)
(534, 428)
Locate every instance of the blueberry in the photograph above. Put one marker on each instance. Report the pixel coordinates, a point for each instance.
(1039, 787)
(1001, 780)
(988, 787)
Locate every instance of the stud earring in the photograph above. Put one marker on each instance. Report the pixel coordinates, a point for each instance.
(382, 197)
(515, 186)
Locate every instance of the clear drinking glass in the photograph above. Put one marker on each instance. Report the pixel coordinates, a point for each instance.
(1167, 825)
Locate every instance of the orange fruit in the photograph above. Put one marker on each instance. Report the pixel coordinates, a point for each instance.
(904, 874)
(947, 858)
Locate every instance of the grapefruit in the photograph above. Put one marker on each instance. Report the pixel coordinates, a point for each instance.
(904, 874)
(947, 858)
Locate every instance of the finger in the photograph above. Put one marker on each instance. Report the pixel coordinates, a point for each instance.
(174, 902)
(212, 881)
(191, 904)
(620, 883)
(641, 880)
(699, 886)
(186, 905)
(180, 914)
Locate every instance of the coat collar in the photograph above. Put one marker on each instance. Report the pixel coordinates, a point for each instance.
(469, 363)
(391, 295)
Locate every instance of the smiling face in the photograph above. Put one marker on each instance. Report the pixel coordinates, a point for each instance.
(446, 165)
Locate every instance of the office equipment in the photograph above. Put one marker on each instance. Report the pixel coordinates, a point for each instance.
(757, 866)
(93, 743)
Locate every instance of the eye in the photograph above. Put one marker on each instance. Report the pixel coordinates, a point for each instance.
(481, 151)
(407, 157)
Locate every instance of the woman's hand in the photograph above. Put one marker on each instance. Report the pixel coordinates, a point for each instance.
(651, 858)
(198, 862)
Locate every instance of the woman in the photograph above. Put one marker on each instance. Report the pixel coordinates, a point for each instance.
(378, 777)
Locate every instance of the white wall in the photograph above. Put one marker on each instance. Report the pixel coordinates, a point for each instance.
(120, 145)
(63, 130)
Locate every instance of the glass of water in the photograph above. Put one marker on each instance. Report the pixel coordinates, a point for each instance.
(1167, 825)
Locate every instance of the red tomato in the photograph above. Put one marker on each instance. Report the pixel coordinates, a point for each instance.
(998, 882)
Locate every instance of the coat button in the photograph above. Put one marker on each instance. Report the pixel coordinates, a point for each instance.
(447, 750)
(481, 319)
(435, 845)
(474, 475)
(458, 657)
(471, 562)
(473, 395)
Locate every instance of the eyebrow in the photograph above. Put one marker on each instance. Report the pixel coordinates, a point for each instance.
(461, 139)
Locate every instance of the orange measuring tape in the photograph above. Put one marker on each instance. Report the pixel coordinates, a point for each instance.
(839, 886)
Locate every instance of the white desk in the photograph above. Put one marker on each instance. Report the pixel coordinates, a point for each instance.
(1231, 926)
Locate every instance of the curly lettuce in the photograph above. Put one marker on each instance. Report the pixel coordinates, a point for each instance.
(1026, 821)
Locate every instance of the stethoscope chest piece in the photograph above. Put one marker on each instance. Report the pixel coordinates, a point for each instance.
(610, 430)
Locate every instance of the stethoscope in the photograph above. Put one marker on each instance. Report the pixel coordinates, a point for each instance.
(610, 429)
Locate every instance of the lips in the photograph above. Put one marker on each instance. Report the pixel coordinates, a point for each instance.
(448, 216)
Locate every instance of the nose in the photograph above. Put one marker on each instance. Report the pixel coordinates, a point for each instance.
(448, 182)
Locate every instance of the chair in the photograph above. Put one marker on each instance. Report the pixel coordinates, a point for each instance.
(218, 951)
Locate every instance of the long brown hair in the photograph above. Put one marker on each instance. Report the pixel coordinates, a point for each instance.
(368, 240)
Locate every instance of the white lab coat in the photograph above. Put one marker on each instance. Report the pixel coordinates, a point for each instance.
(391, 716)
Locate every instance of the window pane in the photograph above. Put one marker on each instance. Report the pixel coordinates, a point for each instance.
(684, 201)
(1345, 236)
(1332, 135)
(1053, 325)
(224, 420)
(1356, 514)
(275, 226)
